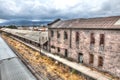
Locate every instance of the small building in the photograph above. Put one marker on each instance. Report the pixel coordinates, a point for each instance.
(94, 42)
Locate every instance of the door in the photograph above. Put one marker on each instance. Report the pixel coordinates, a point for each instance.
(66, 53)
(80, 58)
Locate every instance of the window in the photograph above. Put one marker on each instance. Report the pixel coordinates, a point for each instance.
(42, 38)
(100, 61)
(91, 59)
(101, 42)
(65, 35)
(58, 49)
(80, 58)
(58, 34)
(52, 33)
(66, 52)
(92, 39)
(53, 47)
(102, 39)
(77, 36)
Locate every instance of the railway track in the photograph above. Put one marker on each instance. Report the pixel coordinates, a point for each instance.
(38, 68)
(28, 64)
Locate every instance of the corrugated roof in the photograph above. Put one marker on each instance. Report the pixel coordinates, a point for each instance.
(103, 22)
(5, 51)
(13, 69)
(30, 35)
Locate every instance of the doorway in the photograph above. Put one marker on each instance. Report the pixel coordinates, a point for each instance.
(80, 58)
(66, 53)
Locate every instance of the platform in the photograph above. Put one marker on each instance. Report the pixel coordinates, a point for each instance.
(79, 67)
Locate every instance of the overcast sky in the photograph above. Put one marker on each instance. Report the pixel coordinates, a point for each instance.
(52, 9)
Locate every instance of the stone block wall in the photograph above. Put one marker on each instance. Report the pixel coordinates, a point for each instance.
(110, 54)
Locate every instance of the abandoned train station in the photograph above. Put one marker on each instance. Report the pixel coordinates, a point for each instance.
(94, 42)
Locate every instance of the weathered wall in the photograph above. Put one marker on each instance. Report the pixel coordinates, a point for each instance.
(110, 54)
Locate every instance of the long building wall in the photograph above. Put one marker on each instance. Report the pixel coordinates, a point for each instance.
(110, 55)
(103, 58)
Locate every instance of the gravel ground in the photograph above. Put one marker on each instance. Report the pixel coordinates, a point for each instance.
(42, 64)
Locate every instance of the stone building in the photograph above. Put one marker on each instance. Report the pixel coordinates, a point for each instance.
(94, 42)
(36, 38)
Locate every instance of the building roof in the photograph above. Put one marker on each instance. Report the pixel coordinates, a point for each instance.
(14, 69)
(30, 35)
(5, 51)
(94, 23)
(11, 67)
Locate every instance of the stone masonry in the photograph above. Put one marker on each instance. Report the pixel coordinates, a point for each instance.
(105, 57)
(110, 54)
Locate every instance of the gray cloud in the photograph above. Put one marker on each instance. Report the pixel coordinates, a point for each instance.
(52, 9)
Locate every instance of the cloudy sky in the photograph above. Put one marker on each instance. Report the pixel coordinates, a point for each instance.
(52, 9)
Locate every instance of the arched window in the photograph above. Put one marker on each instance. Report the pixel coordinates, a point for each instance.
(65, 35)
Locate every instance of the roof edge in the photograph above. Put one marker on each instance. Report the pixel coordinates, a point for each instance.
(55, 21)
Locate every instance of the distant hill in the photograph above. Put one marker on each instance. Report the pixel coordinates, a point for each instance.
(24, 23)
